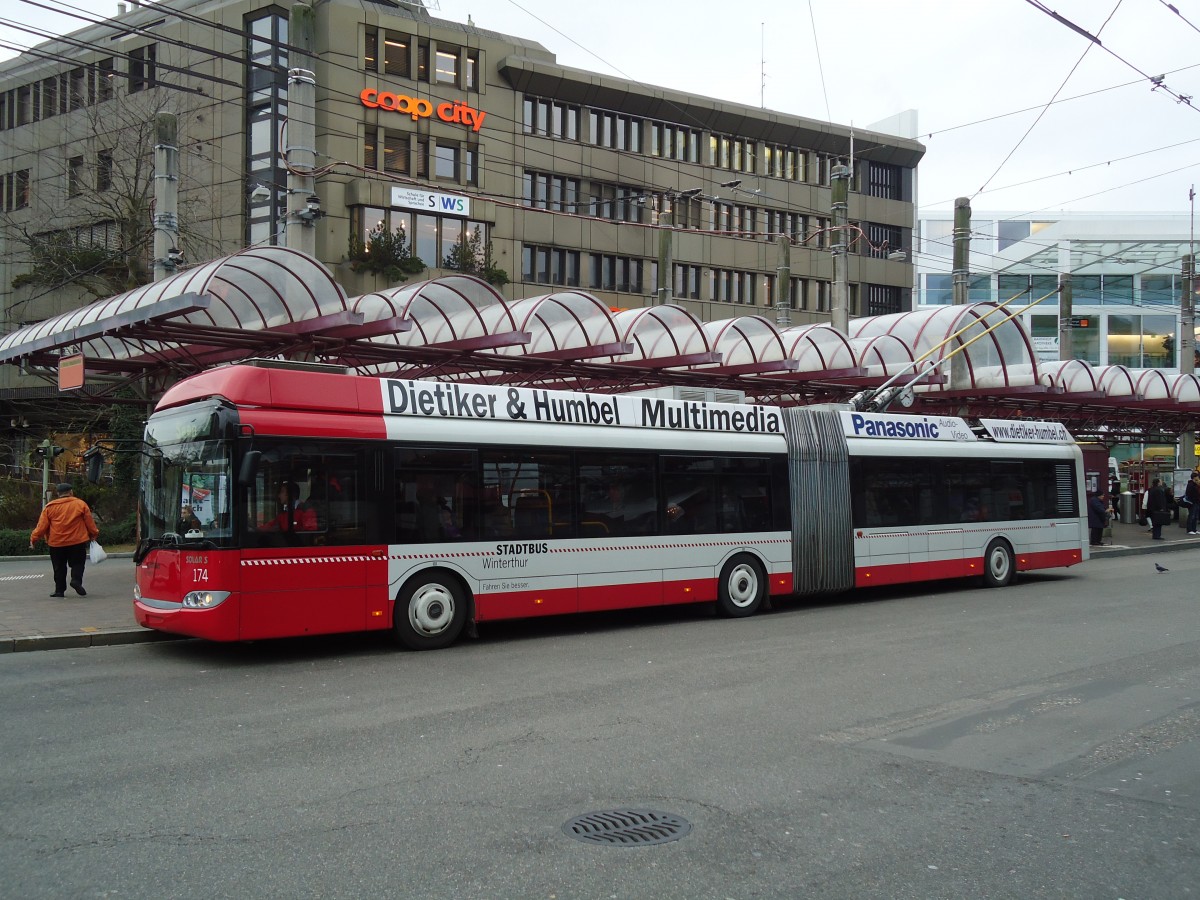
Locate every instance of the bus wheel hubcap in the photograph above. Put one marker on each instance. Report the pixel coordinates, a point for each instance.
(743, 586)
(431, 609)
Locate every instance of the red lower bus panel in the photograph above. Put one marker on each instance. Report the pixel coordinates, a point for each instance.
(934, 570)
(525, 604)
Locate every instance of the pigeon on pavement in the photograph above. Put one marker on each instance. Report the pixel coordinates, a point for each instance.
(1161, 568)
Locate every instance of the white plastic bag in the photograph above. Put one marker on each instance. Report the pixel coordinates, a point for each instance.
(96, 553)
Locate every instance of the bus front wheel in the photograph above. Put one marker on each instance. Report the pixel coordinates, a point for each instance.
(999, 565)
(742, 588)
(430, 611)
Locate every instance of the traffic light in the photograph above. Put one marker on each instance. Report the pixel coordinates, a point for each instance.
(95, 465)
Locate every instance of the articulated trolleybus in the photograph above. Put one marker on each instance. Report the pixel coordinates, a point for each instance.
(321, 502)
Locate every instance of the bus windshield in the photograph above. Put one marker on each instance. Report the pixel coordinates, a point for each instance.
(186, 481)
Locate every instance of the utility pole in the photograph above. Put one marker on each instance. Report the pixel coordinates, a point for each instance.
(1187, 331)
(303, 206)
(839, 313)
(166, 196)
(962, 251)
(1066, 330)
(783, 282)
(666, 262)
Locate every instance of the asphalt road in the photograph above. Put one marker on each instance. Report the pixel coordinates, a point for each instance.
(945, 741)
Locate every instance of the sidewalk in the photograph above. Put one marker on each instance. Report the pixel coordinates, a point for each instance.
(30, 620)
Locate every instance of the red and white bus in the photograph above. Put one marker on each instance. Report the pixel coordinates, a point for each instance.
(336, 503)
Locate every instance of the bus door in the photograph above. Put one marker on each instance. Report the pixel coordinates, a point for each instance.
(307, 563)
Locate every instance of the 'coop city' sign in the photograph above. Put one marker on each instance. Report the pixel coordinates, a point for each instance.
(457, 113)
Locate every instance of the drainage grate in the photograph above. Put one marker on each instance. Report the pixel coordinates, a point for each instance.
(627, 827)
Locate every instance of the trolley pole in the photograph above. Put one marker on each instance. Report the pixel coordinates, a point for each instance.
(962, 250)
(839, 313)
(1066, 332)
(1187, 347)
(300, 151)
(783, 283)
(166, 196)
(666, 261)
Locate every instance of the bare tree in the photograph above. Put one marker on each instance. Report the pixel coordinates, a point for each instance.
(90, 224)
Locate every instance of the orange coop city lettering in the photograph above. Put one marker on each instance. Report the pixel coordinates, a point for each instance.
(457, 112)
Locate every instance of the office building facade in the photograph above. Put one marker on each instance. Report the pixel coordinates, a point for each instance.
(451, 143)
(1127, 277)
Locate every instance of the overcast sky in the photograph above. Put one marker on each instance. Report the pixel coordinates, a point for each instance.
(979, 73)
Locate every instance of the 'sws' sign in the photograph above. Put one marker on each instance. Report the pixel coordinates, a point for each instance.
(429, 201)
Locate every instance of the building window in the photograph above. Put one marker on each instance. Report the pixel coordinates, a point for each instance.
(732, 286)
(554, 192)
(550, 118)
(937, 237)
(371, 50)
(616, 273)
(1160, 290)
(50, 97)
(74, 176)
(421, 160)
(886, 181)
(445, 162)
(549, 265)
(24, 105)
(104, 170)
(142, 68)
(619, 202)
(79, 88)
(615, 131)
(674, 142)
(686, 283)
(471, 73)
(395, 55)
(939, 290)
(882, 240)
(735, 154)
(679, 212)
(395, 153)
(777, 222)
(883, 300)
(14, 188)
(821, 295)
(446, 69)
(266, 109)
(106, 74)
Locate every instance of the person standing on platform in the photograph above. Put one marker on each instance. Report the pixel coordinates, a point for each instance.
(1097, 518)
(1192, 495)
(67, 525)
(1156, 509)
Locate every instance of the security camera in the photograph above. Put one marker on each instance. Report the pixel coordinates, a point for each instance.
(260, 192)
(175, 257)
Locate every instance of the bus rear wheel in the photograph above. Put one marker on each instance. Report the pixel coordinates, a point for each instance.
(742, 588)
(430, 611)
(999, 565)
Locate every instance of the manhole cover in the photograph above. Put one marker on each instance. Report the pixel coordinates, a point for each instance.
(627, 827)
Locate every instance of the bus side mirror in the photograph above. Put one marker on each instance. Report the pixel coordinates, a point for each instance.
(249, 467)
(95, 464)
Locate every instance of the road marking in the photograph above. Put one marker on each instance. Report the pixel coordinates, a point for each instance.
(21, 577)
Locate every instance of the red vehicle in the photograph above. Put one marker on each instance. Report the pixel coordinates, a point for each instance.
(329, 502)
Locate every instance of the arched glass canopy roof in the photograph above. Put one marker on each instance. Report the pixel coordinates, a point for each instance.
(272, 301)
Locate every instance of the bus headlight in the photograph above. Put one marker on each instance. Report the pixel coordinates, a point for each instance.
(204, 599)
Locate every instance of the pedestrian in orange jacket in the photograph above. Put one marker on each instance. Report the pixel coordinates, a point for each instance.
(67, 525)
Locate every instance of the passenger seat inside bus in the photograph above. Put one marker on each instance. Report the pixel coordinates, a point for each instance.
(533, 515)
